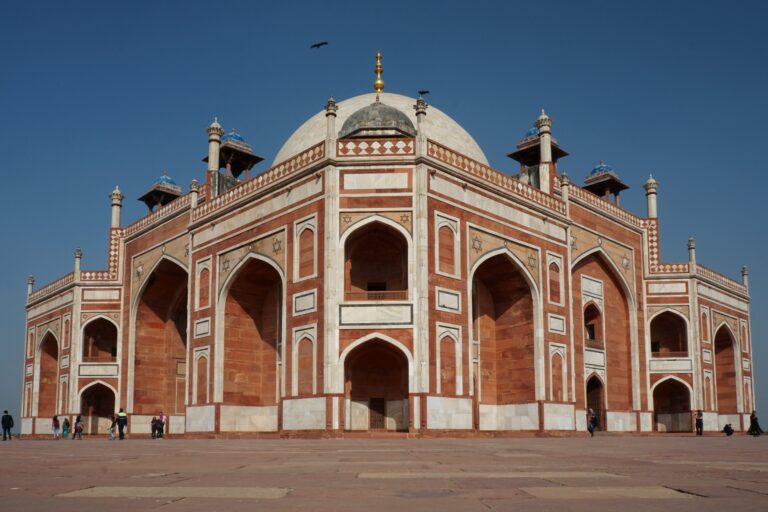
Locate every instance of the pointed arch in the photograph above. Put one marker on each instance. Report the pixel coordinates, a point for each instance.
(678, 345)
(539, 361)
(727, 375)
(46, 382)
(172, 397)
(87, 325)
(383, 337)
(97, 404)
(672, 398)
(220, 346)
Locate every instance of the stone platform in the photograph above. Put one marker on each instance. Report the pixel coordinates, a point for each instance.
(636, 473)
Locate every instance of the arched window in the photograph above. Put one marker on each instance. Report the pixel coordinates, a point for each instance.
(99, 341)
(201, 393)
(447, 347)
(558, 384)
(305, 363)
(306, 253)
(376, 264)
(669, 337)
(554, 283)
(593, 327)
(704, 326)
(204, 288)
(446, 247)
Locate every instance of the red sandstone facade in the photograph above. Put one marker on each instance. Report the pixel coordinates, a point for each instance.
(382, 280)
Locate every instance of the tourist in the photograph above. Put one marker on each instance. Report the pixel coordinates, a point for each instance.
(111, 431)
(161, 425)
(727, 430)
(153, 427)
(7, 426)
(699, 423)
(78, 434)
(754, 426)
(122, 422)
(65, 427)
(55, 426)
(591, 422)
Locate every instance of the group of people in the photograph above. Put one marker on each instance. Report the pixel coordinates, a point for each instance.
(62, 429)
(158, 426)
(754, 426)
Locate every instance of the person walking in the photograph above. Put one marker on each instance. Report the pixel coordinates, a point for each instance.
(78, 432)
(111, 431)
(55, 425)
(7, 423)
(699, 423)
(754, 425)
(122, 422)
(591, 422)
(153, 427)
(65, 427)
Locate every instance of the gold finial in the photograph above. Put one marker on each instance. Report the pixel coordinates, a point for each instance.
(378, 85)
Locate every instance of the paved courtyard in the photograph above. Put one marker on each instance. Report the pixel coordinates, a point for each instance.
(394, 475)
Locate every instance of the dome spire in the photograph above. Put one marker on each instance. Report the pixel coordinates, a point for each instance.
(378, 85)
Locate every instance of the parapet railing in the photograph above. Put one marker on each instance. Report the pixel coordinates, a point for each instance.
(375, 147)
(52, 287)
(378, 295)
(602, 204)
(663, 354)
(494, 177)
(162, 212)
(268, 177)
(718, 278)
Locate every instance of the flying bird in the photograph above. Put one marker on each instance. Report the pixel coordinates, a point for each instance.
(423, 92)
(318, 45)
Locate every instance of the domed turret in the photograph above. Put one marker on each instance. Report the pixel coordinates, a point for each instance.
(162, 192)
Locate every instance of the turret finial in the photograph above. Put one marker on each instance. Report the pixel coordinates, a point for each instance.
(378, 85)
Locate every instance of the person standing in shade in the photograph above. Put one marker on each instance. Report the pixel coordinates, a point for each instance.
(7, 423)
(754, 425)
(699, 423)
(55, 425)
(591, 422)
(122, 422)
(161, 425)
(78, 429)
(65, 427)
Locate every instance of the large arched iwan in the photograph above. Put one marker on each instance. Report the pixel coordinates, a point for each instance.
(252, 335)
(615, 325)
(503, 323)
(161, 341)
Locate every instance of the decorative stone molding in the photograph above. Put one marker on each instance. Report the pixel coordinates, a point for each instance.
(272, 246)
(349, 219)
(482, 242)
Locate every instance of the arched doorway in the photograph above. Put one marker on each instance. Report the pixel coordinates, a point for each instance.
(97, 405)
(49, 374)
(725, 372)
(160, 371)
(376, 264)
(253, 335)
(672, 407)
(503, 326)
(99, 341)
(376, 387)
(595, 278)
(669, 335)
(596, 400)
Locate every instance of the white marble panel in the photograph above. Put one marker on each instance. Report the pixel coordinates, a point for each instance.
(448, 300)
(140, 423)
(621, 421)
(556, 323)
(670, 365)
(202, 327)
(591, 287)
(468, 196)
(304, 414)
(200, 418)
(719, 296)
(304, 302)
(251, 215)
(559, 417)
(509, 417)
(676, 287)
(64, 363)
(397, 414)
(26, 426)
(358, 181)
(43, 426)
(50, 305)
(359, 415)
(711, 422)
(29, 369)
(98, 370)
(97, 294)
(646, 421)
(376, 314)
(733, 419)
(445, 413)
(745, 364)
(241, 418)
(594, 358)
(581, 420)
(175, 425)
(706, 355)
(673, 422)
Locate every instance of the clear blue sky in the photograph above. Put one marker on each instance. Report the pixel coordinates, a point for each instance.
(98, 94)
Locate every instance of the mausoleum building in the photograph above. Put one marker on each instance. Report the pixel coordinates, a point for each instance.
(380, 276)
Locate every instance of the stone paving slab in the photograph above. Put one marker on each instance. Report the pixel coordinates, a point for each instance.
(664, 473)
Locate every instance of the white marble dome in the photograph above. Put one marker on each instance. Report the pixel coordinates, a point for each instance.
(437, 125)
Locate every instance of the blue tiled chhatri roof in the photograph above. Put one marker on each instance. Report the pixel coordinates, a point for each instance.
(165, 180)
(232, 136)
(601, 167)
(531, 133)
